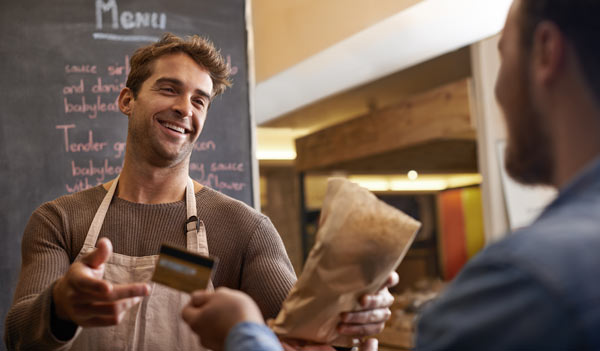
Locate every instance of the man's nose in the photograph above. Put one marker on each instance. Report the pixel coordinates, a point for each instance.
(183, 106)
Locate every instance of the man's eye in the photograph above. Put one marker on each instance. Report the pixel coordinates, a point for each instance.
(167, 89)
(199, 102)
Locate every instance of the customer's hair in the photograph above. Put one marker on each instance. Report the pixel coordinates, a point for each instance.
(579, 20)
(198, 48)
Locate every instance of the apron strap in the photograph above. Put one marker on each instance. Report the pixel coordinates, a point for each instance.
(195, 230)
(94, 231)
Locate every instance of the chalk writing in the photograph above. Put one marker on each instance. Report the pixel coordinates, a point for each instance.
(227, 167)
(198, 167)
(234, 69)
(80, 69)
(213, 181)
(91, 145)
(93, 109)
(79, 185)
(91, 170)
(123, 37)
(205, 145)
(119, 147)
(101, 87)
(74, 89)
(119, 70)
(128, 19)
(93, 90)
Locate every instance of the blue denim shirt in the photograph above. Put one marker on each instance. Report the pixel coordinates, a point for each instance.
(538, 289)
(248, 336)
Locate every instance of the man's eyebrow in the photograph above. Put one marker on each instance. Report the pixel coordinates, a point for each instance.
(179, 83)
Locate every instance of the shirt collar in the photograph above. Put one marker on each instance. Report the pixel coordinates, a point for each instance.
(584, 182)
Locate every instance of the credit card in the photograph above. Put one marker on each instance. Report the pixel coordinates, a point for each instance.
(183, 270)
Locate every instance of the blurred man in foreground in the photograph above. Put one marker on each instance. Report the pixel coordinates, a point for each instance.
(537, 289)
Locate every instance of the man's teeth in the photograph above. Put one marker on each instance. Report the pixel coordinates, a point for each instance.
(174, 127)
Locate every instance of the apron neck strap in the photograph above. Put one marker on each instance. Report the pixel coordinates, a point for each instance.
(195, 231)
(194, 228)
(192, 224)
(94, 231)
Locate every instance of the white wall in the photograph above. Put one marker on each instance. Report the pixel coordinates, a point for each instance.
(485, 62)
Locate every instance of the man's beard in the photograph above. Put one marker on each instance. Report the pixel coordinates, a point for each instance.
(146, 146)
(528, 158)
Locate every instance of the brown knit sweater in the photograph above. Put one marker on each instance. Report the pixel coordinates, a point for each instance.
(251, 255)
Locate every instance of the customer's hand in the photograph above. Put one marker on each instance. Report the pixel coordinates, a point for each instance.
(212, 314)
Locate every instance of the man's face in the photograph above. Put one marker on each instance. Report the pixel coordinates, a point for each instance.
(169, 112)
(528, 157)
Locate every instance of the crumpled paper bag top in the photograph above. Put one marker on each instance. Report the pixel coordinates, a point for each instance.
(360, 241)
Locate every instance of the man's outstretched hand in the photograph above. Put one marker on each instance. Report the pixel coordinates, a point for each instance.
(84, 298)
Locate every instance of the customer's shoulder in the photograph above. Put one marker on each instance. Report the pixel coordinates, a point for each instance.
(566, 229)
(549, 239)
(559, 251)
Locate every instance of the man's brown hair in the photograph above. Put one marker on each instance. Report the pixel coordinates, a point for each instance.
(198, 48)
(580, 23)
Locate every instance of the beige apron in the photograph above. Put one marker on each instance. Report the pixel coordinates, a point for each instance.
(155, 323)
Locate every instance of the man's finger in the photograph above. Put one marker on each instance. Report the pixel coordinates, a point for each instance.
(392, 280)
(100, 255)
(370, 344)
(124, 291)
(370, 316)
(382, 299)
(86, 293)
(359, 330)
(106, 310)
(190, 314)
(82, 281)
(200, 297)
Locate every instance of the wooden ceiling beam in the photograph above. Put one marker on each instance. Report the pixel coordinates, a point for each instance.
(442, 114)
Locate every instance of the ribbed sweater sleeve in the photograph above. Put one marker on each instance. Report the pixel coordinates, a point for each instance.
(44, 260)
(268, 274)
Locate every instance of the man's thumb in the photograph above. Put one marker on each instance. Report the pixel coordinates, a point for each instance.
(100, 255)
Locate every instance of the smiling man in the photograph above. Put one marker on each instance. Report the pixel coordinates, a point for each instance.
(67, 286)
(71, 282)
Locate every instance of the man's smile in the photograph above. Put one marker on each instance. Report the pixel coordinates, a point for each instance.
(175, 127)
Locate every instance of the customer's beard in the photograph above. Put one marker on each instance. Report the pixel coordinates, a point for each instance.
(528, 158)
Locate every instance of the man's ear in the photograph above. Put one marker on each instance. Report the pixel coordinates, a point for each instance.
(126, 101)
(548, 52)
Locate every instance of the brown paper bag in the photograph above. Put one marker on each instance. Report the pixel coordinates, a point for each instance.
(359, 242)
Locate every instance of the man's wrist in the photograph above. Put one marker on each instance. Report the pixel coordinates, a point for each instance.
(56, 311)
(61, 329)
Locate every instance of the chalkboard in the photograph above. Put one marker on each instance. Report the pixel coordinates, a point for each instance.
(63, 65)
